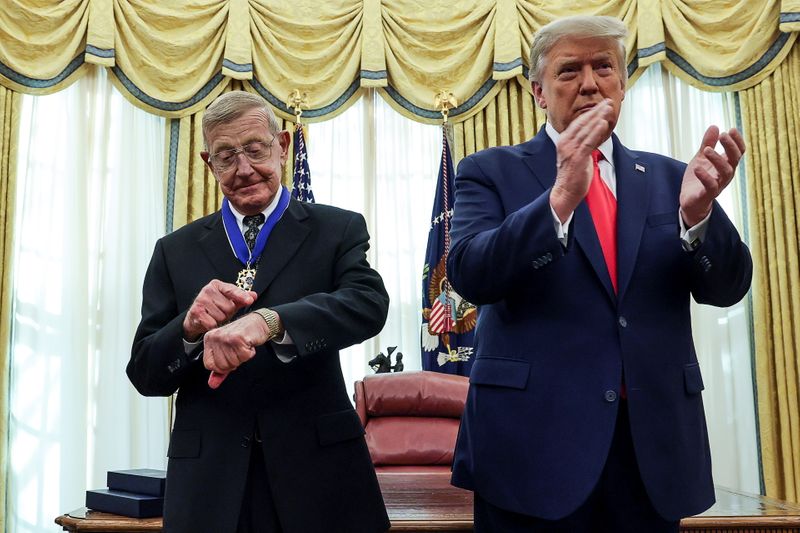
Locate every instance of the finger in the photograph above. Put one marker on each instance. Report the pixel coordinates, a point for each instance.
(710, 138)
(708, 181)
(204, 322)
(731, 149)
(721, 164)
(236, 295)
(215, 379)
(737, 137)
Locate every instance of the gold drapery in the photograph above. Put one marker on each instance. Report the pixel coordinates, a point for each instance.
(771, 115)
(9, 130)
(174, 58)
(510, 118)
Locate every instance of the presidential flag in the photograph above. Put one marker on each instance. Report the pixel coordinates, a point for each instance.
(448, 321)
(301, 181)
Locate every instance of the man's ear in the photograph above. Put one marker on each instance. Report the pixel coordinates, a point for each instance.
(284, 138)
(538, 95)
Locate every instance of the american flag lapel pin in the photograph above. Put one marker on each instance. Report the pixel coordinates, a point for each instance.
(638, 167)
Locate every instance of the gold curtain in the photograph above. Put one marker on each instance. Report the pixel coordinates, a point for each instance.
(771, 115)
(9, 131)
(174, 58)
(510, 118)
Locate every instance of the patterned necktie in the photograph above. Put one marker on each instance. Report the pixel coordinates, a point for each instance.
(603, 207)
(251, 223)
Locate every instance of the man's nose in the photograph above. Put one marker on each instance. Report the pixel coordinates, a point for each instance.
(243, 165)
(588, 81)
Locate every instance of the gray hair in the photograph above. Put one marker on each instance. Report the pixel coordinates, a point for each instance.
(232, 105)
(577, 27)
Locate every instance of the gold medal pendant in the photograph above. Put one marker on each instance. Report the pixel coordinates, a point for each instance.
(246, 278)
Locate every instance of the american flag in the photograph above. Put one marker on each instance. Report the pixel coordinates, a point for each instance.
(301, 181)
(443, 315)
(448, 321)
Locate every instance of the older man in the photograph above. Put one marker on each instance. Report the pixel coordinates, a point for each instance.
(584, 411)
(244, 314)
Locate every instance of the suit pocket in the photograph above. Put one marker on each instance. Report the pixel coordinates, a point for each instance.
(184, 443)
(663, 218)
(692, 379)
(498, 372)
(338, 427)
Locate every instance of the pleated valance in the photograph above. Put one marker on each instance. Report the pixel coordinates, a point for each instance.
(173, 58)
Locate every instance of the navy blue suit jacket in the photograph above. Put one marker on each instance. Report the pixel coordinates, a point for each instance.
(552, 338)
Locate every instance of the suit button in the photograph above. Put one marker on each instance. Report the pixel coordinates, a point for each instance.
(610, 396)
(245, 442)
(623, 322)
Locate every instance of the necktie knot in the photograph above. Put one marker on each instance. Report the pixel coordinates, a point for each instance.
(597, 155)
(251, 223)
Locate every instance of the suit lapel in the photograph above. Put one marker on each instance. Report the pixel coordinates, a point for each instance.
(283, 243)
(633, 201)
(218, 250)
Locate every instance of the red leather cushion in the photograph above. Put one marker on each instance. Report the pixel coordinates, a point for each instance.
(405, 440)
(415, 394)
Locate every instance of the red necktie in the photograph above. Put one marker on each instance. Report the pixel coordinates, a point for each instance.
(603, 207)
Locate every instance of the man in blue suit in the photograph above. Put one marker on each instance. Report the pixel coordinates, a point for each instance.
(584, 411)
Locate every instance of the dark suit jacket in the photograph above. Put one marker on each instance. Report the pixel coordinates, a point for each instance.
(314, 273)
(552, 338)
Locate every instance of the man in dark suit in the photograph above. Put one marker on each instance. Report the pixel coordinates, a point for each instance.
(584, 411)
(244, 313)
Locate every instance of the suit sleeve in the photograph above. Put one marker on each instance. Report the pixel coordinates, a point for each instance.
(722, 268)
(491, 253)
(159, 361)
(353, 311)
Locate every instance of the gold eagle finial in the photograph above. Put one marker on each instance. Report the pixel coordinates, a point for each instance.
(444, 102)
(298, 101)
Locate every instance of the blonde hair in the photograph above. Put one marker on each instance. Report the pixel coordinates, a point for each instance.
(232, 105)
(577, 27)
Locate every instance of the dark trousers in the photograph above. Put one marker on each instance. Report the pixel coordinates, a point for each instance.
(618, 503)
(258, 513)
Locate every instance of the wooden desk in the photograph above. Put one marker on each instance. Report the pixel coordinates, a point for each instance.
(427, 502)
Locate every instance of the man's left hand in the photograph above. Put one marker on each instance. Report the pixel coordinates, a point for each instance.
(227, 347)
(708, 173)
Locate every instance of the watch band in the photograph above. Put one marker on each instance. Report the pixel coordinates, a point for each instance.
(272, 320)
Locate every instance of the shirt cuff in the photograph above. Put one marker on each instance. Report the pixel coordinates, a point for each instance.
(284, 348)
(189, 347)
(694, 236)
(562, 230)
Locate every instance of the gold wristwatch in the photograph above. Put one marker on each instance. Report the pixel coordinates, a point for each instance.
(272, 320)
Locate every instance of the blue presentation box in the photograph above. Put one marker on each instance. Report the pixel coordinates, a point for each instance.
(125, 503)
(140, 481)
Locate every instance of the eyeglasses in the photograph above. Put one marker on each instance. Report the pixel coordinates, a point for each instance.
(256, 152)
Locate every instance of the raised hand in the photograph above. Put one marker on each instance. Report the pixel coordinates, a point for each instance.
(214, 306)
(709, 172)
(574, 157)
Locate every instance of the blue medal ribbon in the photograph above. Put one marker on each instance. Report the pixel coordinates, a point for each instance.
(236, 238)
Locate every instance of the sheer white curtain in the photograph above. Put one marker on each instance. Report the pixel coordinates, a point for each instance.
(665, 115)
(90, 207)
(374, 161)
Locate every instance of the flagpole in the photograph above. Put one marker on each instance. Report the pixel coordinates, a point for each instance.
(301, 175)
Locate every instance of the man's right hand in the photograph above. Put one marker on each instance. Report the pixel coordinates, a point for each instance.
(574, 157)
(214, 306)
